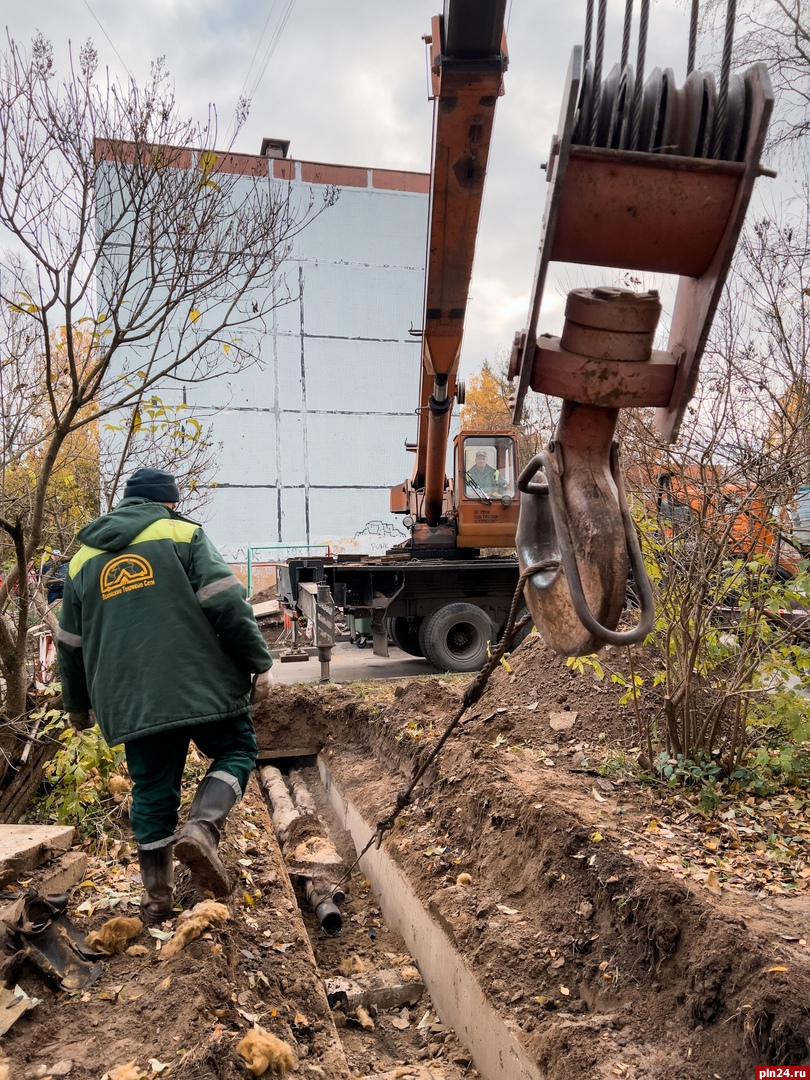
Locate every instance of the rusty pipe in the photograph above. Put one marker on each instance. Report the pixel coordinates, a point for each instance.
(324, 899)
(440, 405)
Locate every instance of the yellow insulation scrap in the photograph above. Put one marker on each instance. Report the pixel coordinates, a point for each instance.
(119, 787)
(129, 1071)
(191, 924)
(364, 1018)
(260, 1051)
(114, 936)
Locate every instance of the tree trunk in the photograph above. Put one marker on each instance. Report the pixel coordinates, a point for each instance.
(22, 778)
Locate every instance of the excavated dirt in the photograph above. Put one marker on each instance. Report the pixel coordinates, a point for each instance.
(185, 1017)
(618, 932)
(620, 941)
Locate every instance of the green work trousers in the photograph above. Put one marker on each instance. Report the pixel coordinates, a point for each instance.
(156, 764)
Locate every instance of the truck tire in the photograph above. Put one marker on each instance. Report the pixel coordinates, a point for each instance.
(405, 634)
(455, 637)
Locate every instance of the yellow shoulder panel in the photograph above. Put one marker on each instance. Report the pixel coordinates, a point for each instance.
(167, 529)
(164, 529)
(83, 555)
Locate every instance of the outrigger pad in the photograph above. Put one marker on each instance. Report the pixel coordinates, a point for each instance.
(45, 937)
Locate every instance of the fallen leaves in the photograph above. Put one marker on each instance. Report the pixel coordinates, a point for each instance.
(758, 845)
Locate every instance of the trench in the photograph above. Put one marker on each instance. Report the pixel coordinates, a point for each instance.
(464, 1035)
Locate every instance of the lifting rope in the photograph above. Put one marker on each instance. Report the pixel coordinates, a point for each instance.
(472, 694)
(628, 110)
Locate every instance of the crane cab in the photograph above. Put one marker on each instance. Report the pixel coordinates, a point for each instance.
(485, 488)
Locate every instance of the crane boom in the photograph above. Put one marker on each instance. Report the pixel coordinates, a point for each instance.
(468, 59)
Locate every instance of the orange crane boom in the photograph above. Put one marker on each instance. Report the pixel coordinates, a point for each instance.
(468, 59)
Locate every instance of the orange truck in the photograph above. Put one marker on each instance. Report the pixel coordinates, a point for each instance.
(733, 514)
(435, 595)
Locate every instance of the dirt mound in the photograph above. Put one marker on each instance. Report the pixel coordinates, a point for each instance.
(617, 931)
(612, 958)
(188, 1013)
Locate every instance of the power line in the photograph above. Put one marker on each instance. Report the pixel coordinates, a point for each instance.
(249, 87)
(109, 39)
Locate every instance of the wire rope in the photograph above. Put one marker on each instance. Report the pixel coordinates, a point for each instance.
(643, 28)
(693, 29)
(725, 71)
(628, 22)
(597, 68)
(586, 49)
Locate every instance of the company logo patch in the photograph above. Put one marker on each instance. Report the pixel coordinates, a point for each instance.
(124, 574)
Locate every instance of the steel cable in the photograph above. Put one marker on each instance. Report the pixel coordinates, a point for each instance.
(722, 100)
(586, 49)
(693, 29)
(597, 68)
(628, 22)
(643, 28)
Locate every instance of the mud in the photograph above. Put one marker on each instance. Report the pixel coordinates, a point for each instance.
(613, 958)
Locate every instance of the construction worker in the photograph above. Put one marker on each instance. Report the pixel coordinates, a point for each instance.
(57, 568)
(157, 642)
(481, 478)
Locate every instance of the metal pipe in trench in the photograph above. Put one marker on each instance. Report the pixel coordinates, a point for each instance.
(287, 811)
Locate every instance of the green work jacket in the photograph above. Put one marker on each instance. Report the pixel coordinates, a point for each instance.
(155, 631)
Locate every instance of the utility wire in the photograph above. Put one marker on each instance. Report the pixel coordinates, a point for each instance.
(109, 39)
(259, 44)
(249, 87)
(271, 48)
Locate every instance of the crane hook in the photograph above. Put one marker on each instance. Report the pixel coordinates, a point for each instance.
(576, 527)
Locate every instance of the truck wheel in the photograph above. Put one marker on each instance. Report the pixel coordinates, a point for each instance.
(455, 637)
(405, 634)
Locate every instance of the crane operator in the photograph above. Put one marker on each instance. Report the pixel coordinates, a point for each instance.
(481, 478)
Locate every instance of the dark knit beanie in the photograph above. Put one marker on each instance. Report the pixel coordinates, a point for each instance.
(154, 484)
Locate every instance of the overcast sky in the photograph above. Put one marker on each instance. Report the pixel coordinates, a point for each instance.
(346, 82)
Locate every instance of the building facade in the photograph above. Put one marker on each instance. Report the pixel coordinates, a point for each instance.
(311, 437)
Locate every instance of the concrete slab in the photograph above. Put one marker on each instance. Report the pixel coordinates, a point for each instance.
(269, 607)
(24, 847)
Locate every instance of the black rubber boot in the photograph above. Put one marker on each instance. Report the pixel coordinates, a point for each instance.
(196, 843)
(157, 874)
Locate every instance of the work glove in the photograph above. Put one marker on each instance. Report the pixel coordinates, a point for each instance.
(261, 687)
(81, 721)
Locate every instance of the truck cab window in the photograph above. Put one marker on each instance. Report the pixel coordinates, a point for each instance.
(489, 471)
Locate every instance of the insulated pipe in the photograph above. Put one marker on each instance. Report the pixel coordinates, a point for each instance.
(298, 809)
(440, 406)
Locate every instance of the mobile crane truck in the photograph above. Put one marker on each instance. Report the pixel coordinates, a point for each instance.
(645, 176)
(435, 594)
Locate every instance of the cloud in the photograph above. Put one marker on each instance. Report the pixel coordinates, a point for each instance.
(347, 83)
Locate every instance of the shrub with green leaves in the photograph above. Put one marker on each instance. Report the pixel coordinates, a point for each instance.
(76, 780)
